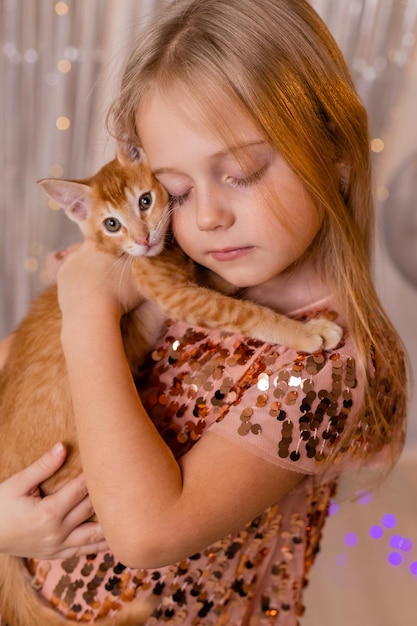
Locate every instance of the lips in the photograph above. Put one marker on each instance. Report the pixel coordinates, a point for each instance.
(230, 254)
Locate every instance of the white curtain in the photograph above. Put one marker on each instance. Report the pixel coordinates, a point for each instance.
(59, 65)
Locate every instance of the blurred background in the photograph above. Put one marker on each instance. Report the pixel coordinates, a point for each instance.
(59, 69)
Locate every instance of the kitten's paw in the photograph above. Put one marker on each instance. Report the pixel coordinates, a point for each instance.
(323, 334)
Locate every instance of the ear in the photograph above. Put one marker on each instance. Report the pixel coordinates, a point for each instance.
(127, 152)
(72, 196)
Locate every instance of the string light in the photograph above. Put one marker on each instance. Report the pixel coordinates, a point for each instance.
(377, 145)
(382, 194)
(45, 276)
(61, 8)
(62, 123)
(31, 55)
(64, 66)
(54, 206)
(31, 264)
(56, 170)
(51, 79)
(36, 248)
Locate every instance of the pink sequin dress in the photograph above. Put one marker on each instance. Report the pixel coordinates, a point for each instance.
(287, 407)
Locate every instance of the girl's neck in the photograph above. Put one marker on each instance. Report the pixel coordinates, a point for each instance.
(291, 291)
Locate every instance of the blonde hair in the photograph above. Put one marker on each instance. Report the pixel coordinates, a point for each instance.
(278, 61)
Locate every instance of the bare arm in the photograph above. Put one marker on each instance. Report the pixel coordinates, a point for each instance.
(154, 510)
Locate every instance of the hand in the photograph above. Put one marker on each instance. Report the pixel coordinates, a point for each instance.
(54, 260)
(51, 527)
(89, 279)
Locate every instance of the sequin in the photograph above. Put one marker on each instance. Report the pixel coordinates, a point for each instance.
(260, 394)
(263, 382)
(261, 400)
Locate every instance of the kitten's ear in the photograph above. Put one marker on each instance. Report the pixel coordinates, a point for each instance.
(72, 196)
(128, 152)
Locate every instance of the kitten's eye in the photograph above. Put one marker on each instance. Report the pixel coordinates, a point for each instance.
(145, 201)
(112, 224)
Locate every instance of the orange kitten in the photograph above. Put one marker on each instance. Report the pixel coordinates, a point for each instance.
(125, 211)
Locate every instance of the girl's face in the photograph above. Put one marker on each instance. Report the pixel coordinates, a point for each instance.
(238, 208)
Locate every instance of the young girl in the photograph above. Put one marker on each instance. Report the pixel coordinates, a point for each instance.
(212, 485)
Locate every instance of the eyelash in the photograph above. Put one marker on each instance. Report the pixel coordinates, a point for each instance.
(249, 180)
(178, 201)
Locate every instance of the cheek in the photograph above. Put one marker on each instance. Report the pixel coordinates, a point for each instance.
(298, 216)
(182, 229)
(304, 230)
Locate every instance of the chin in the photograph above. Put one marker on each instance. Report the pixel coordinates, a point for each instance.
(244, 282)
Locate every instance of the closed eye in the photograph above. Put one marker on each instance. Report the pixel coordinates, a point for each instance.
(247, 181)
(178, 201)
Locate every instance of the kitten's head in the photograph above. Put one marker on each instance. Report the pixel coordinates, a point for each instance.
(122, 208)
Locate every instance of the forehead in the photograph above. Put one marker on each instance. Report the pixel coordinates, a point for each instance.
(211, 115)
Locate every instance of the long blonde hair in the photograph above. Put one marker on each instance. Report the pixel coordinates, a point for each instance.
(278, 61)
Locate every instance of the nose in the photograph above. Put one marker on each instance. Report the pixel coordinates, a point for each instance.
(142, 240)
(212, 211)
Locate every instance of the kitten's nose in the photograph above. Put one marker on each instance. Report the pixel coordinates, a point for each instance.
(143, 241)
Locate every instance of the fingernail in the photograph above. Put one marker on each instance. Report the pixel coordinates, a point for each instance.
(57, 449)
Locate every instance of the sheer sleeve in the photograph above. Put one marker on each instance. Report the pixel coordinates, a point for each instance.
(292, 409)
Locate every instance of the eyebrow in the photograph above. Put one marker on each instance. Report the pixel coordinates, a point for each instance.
(217, 155)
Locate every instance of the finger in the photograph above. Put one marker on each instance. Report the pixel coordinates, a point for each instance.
(85, 535)
(60, 255)
(28, 479)
(91, 548)
(81, 513)
(85, 539)
(68, 496)
(55, 259)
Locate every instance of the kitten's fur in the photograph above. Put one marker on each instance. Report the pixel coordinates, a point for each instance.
(35, 402)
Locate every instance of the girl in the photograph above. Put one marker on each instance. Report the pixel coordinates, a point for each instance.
(212, 486)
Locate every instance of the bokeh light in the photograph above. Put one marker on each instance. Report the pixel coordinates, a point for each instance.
(389, 520)
(413, 568)
(364, 497)
(63, 123)
(377, 145)
(333, 508)
(395, 559)
(376, 532)
(64, 66)
(350, 539)
(61, 8)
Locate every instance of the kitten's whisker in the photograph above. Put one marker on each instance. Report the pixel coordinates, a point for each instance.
(126, 260)
(164, 219)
